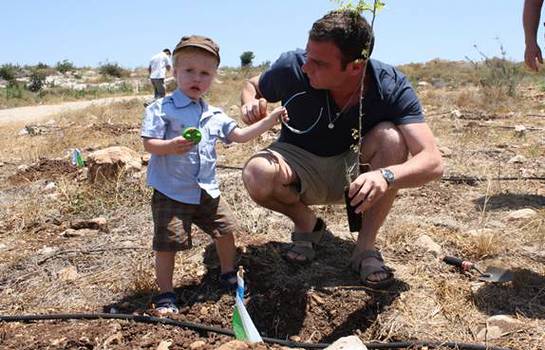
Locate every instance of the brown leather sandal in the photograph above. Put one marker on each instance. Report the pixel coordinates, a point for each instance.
(367, 270)
(305, 243)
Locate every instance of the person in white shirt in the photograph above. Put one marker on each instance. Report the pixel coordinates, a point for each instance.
(158, 67)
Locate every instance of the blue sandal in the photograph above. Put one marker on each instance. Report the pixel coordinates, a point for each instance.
(165, 303)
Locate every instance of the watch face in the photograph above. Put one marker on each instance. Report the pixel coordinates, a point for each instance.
(388, 176)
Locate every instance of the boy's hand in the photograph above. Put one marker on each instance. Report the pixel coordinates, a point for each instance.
(254, 111)
(279, 114)
(179, 145)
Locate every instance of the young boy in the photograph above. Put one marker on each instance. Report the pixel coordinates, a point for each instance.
(182, 172)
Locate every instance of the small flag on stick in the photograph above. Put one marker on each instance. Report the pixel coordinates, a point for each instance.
(243, 326)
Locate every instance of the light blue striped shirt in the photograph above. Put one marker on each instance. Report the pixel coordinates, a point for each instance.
(181, 177)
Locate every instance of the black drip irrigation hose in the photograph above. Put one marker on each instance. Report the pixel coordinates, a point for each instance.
(204, 328)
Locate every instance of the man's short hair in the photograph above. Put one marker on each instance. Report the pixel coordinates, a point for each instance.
(349, 31)
(167, 51)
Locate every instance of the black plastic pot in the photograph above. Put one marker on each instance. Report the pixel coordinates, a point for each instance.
(354, 219)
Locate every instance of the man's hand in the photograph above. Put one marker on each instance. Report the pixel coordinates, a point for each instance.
(366, 190)
(179, 145)
(532, 55)
(254, 111)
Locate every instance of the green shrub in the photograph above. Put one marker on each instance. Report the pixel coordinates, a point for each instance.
(112, 69)
(65, 66)
(41, 65)
(9, 72)
(246, 59)
(499, 74)
(37, 80)
(14, 90)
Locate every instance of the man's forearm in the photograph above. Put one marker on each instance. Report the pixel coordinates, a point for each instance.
(249, 91)
(530, 19)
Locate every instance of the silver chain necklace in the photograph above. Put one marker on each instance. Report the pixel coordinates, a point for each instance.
(338, 114)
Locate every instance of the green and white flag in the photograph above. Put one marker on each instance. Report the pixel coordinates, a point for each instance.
(243, 326)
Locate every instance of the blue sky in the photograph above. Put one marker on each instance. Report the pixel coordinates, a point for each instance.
(130, 32)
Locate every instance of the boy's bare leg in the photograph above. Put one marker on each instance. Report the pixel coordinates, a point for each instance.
(225, 247)
(164, 270)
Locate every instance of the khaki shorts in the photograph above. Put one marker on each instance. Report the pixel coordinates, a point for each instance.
(172, 220)
(321, 179)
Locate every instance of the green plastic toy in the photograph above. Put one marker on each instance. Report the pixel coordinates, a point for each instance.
(192, 134)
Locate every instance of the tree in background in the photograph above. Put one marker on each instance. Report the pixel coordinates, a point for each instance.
(246, 59)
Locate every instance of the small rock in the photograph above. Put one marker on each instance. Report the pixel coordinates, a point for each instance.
(99, 223)
(481, 232)
(455, 114)
(429, 245)
(164, 345)
(295, 338)
(204, 311)
(423, 84)
(3, 247)
(145, 159)
(525, 213)
(47, 250)
(445, 152)
(446, 222)
(520, 130)
(347, 343)
(517, 160)
(498, 326)
(197, 344)
(69, 273)
(234, 345)
(23, 168)
(72, 233)
(489, 333)
(50, 187)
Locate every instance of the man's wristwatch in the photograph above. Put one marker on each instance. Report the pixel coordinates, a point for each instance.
(388, 175)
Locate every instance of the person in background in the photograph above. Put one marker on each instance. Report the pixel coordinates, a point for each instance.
(157, 69)
(530, 21)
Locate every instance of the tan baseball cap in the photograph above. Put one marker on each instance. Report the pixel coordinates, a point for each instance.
(201, 42)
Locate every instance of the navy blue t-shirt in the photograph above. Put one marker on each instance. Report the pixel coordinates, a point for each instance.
(391, 98)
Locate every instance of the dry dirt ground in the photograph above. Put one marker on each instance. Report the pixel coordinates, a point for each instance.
(47, 269)
(34, 114)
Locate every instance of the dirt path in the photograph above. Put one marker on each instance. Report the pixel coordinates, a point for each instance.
(36, 113)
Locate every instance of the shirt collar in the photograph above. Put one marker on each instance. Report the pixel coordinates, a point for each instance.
(181, 100)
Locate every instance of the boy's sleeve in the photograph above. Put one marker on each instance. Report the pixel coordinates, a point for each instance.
(153, 124)
(228, 126)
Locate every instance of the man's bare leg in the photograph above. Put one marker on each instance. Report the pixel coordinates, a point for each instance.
(382, 146)
(269, 181)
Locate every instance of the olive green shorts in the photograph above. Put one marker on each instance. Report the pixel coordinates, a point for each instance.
(321, 179)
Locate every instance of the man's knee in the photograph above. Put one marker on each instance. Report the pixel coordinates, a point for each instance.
(386, 143)
(258, 176)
